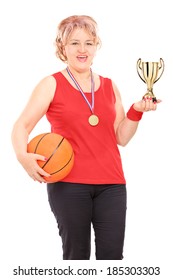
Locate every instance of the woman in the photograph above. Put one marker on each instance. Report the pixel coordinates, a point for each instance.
(86, 109)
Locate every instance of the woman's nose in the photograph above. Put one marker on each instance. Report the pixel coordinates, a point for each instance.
(82, 48)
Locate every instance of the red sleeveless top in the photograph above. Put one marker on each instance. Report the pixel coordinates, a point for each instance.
(97, 157)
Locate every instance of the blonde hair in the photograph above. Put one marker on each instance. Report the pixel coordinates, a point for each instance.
(66, 27)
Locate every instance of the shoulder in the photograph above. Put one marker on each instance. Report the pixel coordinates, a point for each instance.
(48, 81)
(115, 89)
(45, 87)
(51, 80)
(111, 83)
(106, 80)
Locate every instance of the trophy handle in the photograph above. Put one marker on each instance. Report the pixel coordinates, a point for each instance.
(161, 69)
(138, 66)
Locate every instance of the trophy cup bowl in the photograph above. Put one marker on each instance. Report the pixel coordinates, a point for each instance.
(150, 73)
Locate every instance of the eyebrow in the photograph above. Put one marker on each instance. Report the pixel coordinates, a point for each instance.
(90, 40)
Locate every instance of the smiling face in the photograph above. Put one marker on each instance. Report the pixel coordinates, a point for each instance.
(80, 50)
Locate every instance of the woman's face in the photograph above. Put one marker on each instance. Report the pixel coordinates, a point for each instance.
(80, 50)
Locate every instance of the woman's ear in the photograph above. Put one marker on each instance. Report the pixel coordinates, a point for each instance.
(63, 50)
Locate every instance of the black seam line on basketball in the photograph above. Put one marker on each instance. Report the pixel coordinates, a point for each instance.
(40, 141)
(63, 166)
(53, 152)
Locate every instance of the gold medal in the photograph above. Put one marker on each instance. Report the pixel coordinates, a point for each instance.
(93, 120)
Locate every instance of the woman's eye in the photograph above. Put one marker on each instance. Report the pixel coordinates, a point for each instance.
(90, 43)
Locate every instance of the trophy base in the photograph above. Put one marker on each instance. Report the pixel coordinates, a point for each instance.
(154, 99)
(148, 96)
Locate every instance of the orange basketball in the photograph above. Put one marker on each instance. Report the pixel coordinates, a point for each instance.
(57, 150)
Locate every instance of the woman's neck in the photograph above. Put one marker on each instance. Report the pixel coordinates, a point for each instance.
(84, 75)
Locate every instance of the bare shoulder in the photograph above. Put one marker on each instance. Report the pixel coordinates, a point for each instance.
(48, 82)
(46, 87)
(120, 113)
(116, 91)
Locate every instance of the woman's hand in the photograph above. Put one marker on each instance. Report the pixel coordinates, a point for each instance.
(146, 105)
(29, 163)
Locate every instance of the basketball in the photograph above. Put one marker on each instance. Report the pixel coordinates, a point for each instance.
(58, 152)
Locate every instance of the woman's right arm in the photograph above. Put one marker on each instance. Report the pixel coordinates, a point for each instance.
(35, 109)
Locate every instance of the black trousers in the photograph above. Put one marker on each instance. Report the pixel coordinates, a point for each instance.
(78, 206)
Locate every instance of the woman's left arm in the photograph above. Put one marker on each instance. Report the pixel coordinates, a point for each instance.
(125, 125)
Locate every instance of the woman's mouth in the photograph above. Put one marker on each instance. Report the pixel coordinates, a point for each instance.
(82, 58)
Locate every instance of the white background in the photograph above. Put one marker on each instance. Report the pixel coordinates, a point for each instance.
(129, 30)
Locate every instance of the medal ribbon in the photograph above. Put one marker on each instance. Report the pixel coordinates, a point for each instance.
(91, 106)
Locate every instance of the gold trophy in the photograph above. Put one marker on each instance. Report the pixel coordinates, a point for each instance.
(150, 72)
